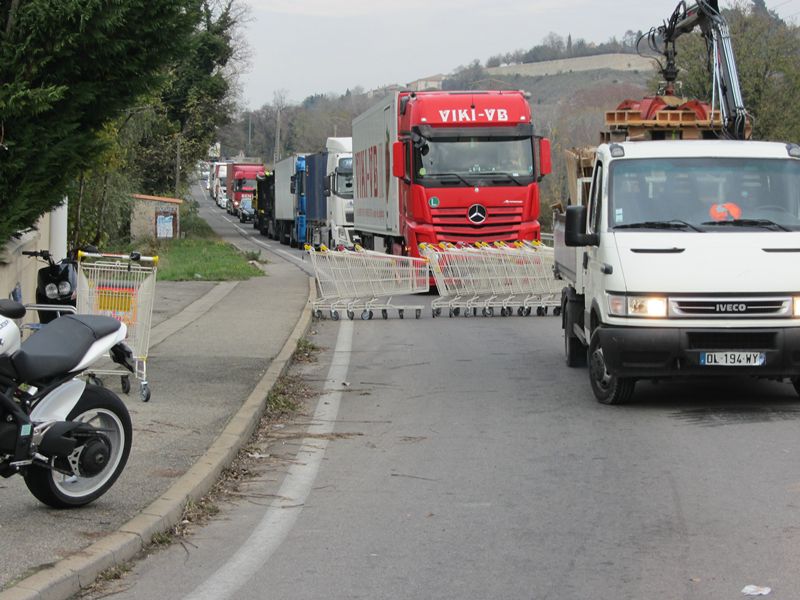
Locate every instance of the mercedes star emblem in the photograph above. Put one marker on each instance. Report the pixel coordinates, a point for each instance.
(477, 213)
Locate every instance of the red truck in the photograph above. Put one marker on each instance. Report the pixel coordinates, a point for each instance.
(242, 184)
(447, 167)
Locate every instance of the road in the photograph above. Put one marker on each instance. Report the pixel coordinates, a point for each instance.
(460, 458)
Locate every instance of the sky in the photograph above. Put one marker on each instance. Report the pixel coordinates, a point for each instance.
(304, 47)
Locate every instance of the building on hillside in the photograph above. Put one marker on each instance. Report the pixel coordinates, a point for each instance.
(155, 217)
(433, 82)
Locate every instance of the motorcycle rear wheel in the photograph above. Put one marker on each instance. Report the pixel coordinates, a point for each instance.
(102, 409)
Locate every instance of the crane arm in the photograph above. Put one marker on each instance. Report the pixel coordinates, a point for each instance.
(705, 14)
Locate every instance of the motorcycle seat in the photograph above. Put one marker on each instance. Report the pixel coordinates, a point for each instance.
(60, 346)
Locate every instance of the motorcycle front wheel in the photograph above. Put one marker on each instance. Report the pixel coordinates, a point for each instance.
(96, 462)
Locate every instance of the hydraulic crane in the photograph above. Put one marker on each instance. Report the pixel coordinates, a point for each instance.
(706, 15)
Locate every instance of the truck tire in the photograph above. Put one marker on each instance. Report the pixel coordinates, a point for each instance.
(607, 388)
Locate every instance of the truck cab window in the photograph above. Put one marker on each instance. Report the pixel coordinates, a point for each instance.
(484, 161)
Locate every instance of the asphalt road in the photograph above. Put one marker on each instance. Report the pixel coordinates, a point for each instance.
(460, 458)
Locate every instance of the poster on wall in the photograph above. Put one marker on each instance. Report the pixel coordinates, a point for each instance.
(165, 225)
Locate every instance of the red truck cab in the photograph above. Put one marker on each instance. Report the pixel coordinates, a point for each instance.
(242, 184)
(447, 167)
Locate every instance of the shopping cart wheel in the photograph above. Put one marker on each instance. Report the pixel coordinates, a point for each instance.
(521, 311)
(366, 314)
(400, 312)
(433, 313)
(417, 313)
(351, 315)
(556, 311)
(318, 314)
(125, 380)
(335, 315)
(467, 313)
(95, 380)
(527, 311)
(437, 312)
(144, 392)
(384, 314)
(502, 311)
(539, 311)
(544, 311)
(456, 311)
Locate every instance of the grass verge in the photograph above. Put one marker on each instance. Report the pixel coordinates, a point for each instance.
(200, 255)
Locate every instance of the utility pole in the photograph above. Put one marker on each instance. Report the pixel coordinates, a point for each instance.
(276, 155)
(178, 167)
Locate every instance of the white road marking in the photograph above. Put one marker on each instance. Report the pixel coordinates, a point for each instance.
(282, 514)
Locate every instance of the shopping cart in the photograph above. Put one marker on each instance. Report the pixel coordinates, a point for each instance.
(489, 276)
(123, 287)
(350, 280)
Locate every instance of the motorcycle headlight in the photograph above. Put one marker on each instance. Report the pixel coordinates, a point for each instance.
(51, 291)
(637, 306)
(64, 288)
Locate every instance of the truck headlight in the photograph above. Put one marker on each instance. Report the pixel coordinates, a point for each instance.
(638, 306)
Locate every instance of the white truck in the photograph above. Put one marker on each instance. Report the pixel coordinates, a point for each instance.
(329, 194)
(282, 226)
(682, 262)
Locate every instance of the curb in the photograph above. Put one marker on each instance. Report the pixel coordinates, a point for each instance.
(69, 575)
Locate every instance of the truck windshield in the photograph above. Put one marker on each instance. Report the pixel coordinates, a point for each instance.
(492, 161)
(344, 185)
(706, 194)
(242, 184)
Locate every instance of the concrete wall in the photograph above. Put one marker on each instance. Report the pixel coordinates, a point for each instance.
(143, 218)
(16, 268)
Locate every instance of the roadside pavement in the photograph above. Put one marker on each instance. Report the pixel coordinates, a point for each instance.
(216, 349)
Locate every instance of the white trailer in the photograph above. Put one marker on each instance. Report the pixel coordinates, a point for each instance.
(284, 198)
(376, 196)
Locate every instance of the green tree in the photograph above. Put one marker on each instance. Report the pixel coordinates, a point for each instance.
(68, 68)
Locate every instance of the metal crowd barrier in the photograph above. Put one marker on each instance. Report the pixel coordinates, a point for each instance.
(351, 280)
(486, 277)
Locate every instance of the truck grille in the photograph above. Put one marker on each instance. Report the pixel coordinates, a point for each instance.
(503, 223)
(728, 308)
(731, 340)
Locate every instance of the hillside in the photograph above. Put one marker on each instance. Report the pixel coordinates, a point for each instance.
(613, 62)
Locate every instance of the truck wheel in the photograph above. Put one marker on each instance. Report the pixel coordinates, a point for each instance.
(607, 388)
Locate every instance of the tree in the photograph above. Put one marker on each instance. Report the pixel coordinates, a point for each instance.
(67, 69)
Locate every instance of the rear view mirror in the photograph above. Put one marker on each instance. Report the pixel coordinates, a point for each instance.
(399, 159)
(575, 228)
(545, 157)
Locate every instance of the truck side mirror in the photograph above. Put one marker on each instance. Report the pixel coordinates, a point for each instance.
(545, 157)
(575, 228)
(398, 159)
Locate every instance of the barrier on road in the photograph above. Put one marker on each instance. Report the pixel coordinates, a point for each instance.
(359, 279)
(486, 277)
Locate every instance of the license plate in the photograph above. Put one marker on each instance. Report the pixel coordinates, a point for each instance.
(733, 359)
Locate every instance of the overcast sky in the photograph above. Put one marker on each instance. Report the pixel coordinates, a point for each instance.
(327, 46)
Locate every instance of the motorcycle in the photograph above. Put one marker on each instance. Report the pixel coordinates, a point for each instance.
(68, 439)
(56, 284)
